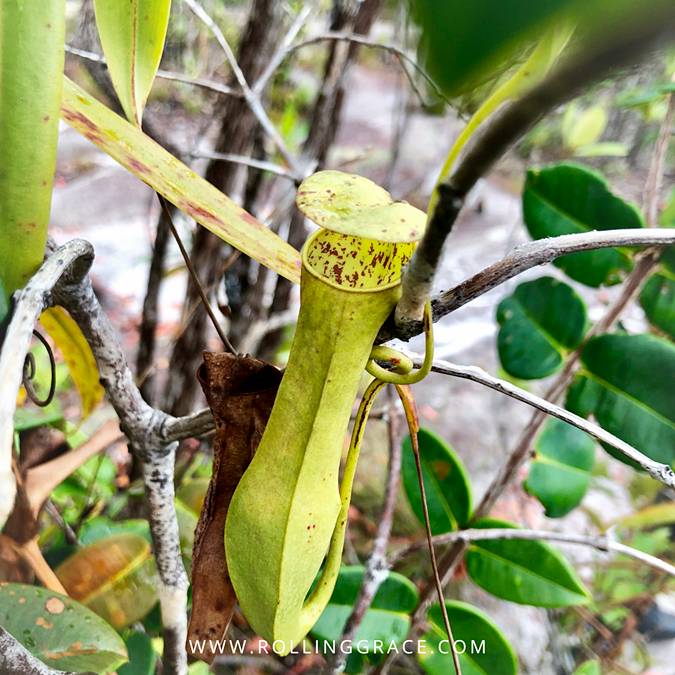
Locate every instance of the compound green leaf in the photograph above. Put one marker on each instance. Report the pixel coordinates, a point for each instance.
(60, 631)
(560, 473)
(482, 647)
(541, 321)
(164, 173)
(568, 198)
(354, 205)
(32, 35)
(526, 572)
(387, 620)
(132, 36)
(446, 483)
(114, 577)
(626, 384)
(658, 300)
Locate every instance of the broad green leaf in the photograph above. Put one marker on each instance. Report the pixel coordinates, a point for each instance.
(446, 483)
(25, 419)
(526, 572)
(658, 300)
(59, 631)
(587, 129)
(32, 35)
(541, 321)
(78, 355)
(114, 577)
(626, 384)
(560, 472)
(132, 36)
(482, 647)
(588, 668)
(349, 204)
(608, 149)
(387, 620)
(464, 41)
(142, 656)
(192, 493)
(568, 198)
(180, 185)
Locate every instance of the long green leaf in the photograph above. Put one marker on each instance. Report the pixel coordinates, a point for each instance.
(59, 631)
(568, 198)
(658, 300)
(484, 648)
(32, 35)
(446, 483)
(132, 36)
(627, 385)
(526, 572)
(539, 322)
(183, 187)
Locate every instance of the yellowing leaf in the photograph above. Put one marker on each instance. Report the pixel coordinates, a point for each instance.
(69, 339)
(132, 35)
(183, 187)
(588, 128)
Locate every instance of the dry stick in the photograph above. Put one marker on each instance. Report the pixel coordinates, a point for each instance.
(376, 570)
(246, 161)
(600, 543)
(194, 277)
(164, 74)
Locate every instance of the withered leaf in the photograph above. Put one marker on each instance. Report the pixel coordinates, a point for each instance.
(240, 391)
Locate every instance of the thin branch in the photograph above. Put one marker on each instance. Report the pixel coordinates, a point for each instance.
(524, 257)
(246, 161)
(401, 55)
(284, 49)
(165, 74)
(497, 135)
(70, 262)
(376, 571)
(15, 659)
(142, 426)
(600, 543)
(252, 99)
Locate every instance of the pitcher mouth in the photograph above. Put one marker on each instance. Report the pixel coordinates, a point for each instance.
(353, 263)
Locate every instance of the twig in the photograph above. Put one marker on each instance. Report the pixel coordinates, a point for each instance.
(15, 659)
(194, 277)
(165, 74)
(246, 161)
(658, 471)
(142, 426)
(601, 543)
(261, 328)
(376, 571)
(72, 260)
(522, 258)
(284, 49)
(398, 52)
(252, 99)
(499, 133)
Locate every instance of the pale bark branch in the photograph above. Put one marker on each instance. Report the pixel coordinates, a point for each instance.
(601, 543)
(495, 137)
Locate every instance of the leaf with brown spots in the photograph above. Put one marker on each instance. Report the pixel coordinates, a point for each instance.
(176, 182)
(353, 205)
(60, 631)
(113, 576)
(240, 391)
